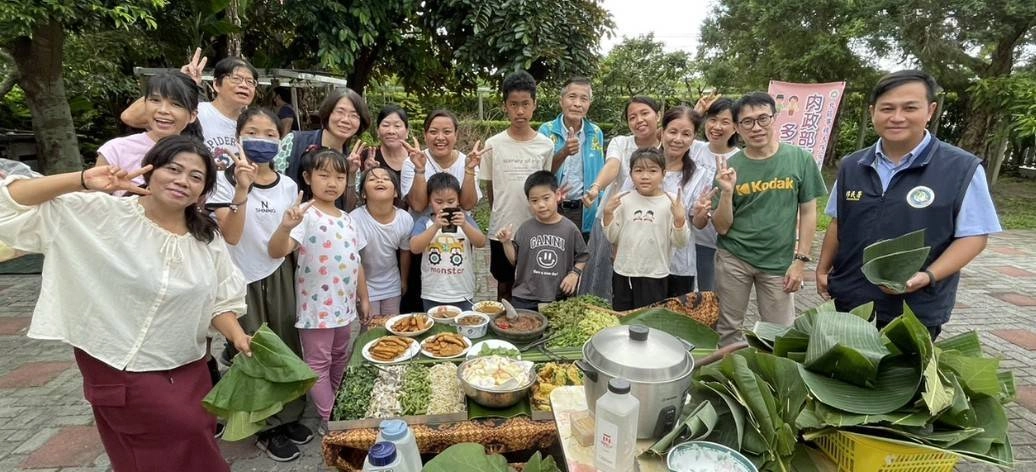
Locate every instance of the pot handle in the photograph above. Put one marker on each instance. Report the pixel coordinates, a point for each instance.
(689, 345)
(588, 371)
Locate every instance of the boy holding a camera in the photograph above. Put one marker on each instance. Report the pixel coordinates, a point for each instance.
(445, 241)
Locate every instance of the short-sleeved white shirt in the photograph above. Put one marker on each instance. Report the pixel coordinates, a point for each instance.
(379, 256)
(220, 132)
(264, 211)
(507, 166)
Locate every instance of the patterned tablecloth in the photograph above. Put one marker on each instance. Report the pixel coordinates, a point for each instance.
(346, 449)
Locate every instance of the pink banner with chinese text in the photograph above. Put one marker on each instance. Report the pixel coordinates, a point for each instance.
(806, 114)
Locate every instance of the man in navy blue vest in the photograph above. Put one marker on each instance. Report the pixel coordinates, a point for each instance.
(906, 181)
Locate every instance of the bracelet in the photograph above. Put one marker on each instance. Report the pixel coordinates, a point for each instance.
(595, 184)
(577, 270)
(418, 171)
(931, 277)
(82, 179)
(233, 206)
(469, 172)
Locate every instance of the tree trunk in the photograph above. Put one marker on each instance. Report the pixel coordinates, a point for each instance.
(363, 68)
(234, 38)
(997, 156)
(865, 121)
(977, 131)
(39, 61)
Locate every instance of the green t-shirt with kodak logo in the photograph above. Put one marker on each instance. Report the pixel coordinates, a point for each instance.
(766, 203)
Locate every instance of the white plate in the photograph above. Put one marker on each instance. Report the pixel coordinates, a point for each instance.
(409, 334)
(412, 351)
(493, 344)
(433, 356)
(446, 321)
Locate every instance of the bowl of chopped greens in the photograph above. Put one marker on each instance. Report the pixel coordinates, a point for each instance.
(494, 347)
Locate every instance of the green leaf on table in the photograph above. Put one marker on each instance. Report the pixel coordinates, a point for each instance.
(768, 331)
(967, 344)
(978, 375)
(845, 347)
(865, 311)
(793, 342)
(466, 457)
(897, 384)
(829, 416)
(1007, 388)
(537, 463)
(697, 424)
(911, 338)
(959, 413)
(681, 326)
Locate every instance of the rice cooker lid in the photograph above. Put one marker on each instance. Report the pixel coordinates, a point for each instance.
(639, 353)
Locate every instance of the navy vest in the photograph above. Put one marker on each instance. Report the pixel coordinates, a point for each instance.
(928, 194)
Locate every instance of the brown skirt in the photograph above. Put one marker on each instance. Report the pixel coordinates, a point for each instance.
(152, 421)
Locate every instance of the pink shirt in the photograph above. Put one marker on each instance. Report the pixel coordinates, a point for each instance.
(126, 152)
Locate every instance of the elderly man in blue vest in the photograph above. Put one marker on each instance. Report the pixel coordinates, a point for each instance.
(578, 151)
(908, 180)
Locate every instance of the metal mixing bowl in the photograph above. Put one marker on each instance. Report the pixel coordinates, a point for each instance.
(493, 398)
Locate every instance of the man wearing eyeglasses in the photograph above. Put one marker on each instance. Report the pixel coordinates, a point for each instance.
(767, 196)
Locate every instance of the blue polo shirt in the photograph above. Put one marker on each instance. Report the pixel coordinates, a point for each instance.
(977, 214)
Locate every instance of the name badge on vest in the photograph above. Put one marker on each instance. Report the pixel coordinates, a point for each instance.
(920, 197)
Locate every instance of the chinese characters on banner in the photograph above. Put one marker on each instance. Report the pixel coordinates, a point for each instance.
(806, 113)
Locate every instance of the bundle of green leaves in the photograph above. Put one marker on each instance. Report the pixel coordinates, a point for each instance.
(836, 371)
(891, 262)
(257, 387)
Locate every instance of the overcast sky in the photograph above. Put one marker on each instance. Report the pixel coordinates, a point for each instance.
(674, 22)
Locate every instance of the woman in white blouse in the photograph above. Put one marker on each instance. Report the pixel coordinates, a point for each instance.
(134, 285)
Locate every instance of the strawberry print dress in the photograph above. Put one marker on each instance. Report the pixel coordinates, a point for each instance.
(328, 269)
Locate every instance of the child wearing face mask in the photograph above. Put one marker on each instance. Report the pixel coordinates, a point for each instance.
(249, 201)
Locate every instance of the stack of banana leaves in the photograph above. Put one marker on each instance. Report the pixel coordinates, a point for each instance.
(833, 371)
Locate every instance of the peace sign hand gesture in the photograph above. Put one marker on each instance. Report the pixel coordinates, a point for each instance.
(244, 170)
(293, 216)
(678, 209)
(110, 179)
(371, 162)
(704, 203)
(614, 202)
(417, 157)
(354, 159)
(726, 176)
(475, 156)
(195, 66)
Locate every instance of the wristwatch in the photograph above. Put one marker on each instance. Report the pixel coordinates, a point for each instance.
(802, 257)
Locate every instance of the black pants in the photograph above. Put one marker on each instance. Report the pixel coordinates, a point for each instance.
(679, 285)
(635, 292)
(525, 303)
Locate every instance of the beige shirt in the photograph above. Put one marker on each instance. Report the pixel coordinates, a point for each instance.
(642, 229)
(118, 286)
(510, 163)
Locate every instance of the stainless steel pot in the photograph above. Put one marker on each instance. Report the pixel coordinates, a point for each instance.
(657, 364)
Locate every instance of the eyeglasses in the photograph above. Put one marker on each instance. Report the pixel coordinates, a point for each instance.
(238, 80)
(762, 120)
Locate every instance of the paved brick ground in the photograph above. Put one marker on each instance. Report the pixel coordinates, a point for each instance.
(45, 425)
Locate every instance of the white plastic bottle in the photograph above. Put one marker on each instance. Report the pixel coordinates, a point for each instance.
(615, 428)
(398, 433)
(382, 458)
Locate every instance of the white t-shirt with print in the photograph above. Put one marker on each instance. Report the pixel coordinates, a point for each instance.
(683, 260)
(508, 166)
(220, 134)
(328, 269)
(447, 274)
(264, 211)
(379, 256)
